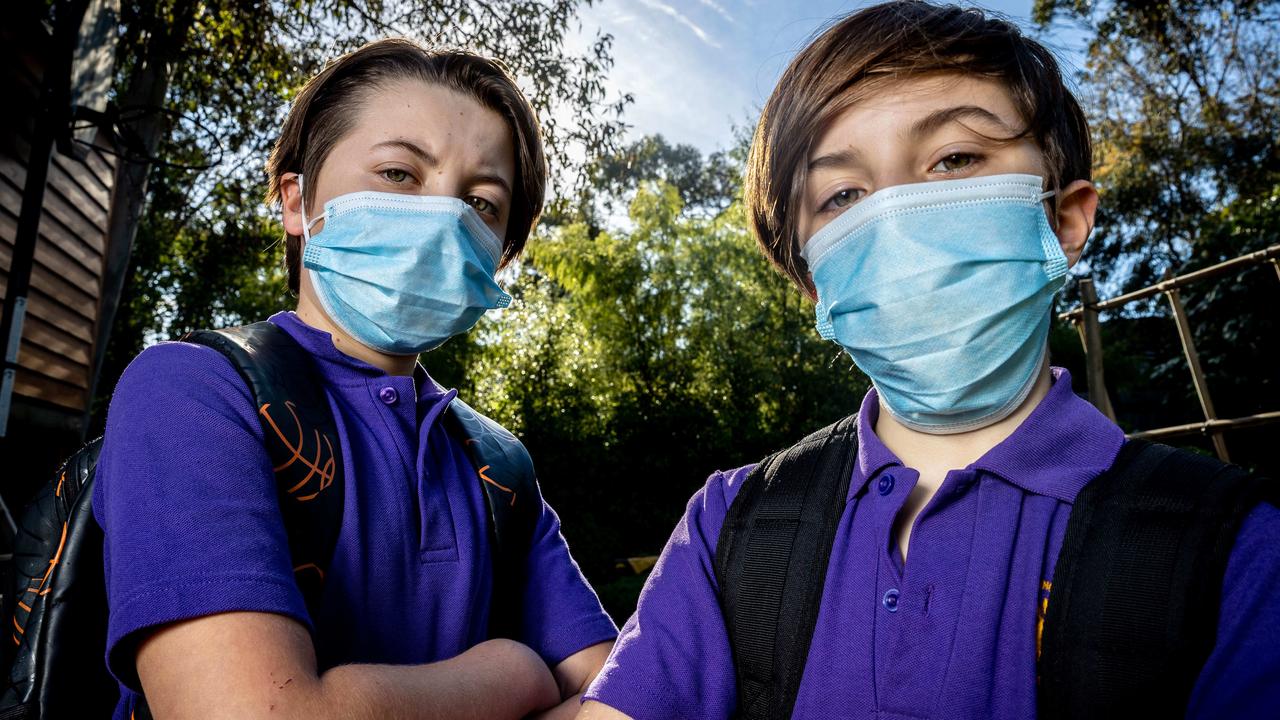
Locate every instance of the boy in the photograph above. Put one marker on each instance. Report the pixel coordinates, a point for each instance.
(424, 172)
(923, 174)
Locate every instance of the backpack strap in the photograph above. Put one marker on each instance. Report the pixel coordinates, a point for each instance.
(506, 475)
(771, 563)
(1133, 609)
(301, 438)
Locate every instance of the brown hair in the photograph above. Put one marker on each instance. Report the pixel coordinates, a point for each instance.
(324, 111)
(884, 43)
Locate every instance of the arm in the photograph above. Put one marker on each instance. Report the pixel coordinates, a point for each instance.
(1242, 675)
(573, 676)
(673, 658)
(249, 665)
(592, 710)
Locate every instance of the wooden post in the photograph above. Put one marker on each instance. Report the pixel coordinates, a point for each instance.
(1091, 335)
(1197, 373)
(1276, 264)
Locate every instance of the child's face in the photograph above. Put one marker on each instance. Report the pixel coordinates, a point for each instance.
(418, 139)
(915, 130)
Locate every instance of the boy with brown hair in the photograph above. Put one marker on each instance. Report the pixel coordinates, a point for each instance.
(922, 173)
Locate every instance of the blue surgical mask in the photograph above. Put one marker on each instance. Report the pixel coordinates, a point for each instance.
(402, 273)
(941, 293)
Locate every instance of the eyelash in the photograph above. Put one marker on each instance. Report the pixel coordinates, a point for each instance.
(972, 158)
(829, 206)
(472, 200)
(407, 175)
(481, 205)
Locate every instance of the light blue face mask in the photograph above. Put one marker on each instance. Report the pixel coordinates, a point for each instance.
(941, 293)
(402, 273)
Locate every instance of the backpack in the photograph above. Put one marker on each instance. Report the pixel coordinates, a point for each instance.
(60, 620)
(1133, 609)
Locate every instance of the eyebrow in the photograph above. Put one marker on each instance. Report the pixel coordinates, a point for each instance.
(840, 158)
(417, 151)
(919, 130)
(938, 119)
(429, 159)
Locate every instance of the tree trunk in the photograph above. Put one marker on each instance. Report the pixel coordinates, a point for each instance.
(146, 87)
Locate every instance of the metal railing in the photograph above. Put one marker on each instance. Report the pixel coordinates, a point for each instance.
(1085, 318)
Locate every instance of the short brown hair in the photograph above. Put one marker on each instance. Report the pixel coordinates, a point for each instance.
(324, 111)
(884, 43)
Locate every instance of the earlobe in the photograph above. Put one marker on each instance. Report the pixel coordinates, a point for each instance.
(1077, 205)
(291, 203)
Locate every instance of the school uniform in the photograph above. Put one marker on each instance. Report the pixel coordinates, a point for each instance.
(953, 633)
(187, 498)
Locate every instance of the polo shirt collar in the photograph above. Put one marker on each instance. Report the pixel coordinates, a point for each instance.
(1062, 445)
(335, 365)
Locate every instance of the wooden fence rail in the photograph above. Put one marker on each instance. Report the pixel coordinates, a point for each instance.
(1085, 318)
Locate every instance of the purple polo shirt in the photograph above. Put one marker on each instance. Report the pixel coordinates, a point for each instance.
(952, 634)
(186, 496)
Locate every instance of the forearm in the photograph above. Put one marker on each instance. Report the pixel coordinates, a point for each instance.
(251, 665)
(496, 679)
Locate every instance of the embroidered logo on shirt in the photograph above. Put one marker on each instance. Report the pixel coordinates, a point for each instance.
(1042, 608)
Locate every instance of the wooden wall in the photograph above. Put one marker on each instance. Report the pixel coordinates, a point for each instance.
(63, 306)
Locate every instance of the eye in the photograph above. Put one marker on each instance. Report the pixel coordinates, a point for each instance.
(955, 162)
(482, 206)
(396, 176)
(842, 199)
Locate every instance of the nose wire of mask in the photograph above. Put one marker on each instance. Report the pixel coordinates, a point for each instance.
(403, 273)
(941, 293)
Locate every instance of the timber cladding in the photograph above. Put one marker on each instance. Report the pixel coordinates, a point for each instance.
(56, 356)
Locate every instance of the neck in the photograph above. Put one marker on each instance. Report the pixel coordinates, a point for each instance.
(310, 313)
(934, 455)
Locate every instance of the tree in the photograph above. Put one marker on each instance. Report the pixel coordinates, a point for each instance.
(1184, 101)
(206, 252)
(641, 358)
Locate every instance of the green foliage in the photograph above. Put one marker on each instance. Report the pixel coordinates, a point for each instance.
(207, 250)
(1184, 101)
(640, 359)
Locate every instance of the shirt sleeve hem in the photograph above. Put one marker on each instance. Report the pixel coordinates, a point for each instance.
(184, 599)
(590, 632)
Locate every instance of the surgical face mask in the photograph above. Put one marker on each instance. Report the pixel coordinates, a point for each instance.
(941, 293)
(402, 273)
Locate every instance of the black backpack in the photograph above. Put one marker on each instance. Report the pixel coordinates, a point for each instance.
(60, 618)
(1133, 608)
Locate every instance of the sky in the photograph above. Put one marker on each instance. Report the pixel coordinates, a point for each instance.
(698, 68)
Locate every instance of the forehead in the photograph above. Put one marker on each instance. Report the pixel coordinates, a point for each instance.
(894, 106)
(440, 118)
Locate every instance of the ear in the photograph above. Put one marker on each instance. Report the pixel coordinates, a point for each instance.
(1077, 204)
(291, 203)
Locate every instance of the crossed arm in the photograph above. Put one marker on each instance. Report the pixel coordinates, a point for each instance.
(252, 664)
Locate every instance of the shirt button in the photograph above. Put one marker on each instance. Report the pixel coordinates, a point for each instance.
(389, 395)
(890, 600)
(886, 484)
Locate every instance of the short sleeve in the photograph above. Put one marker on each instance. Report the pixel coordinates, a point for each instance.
(186, 497)
(562, 614)
(672, 659)
(1242, 675)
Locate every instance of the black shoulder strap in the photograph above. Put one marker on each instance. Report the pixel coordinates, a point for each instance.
(505, 471)
(1133, 608)
(301, 437)
(771, 563)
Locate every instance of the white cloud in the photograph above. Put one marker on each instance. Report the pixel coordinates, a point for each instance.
(719, 10)
(682, 19)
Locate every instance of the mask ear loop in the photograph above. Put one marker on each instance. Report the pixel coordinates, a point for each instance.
(302, 208)
(1043, 197)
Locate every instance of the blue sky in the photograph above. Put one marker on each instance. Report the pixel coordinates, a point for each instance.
(698, 67)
